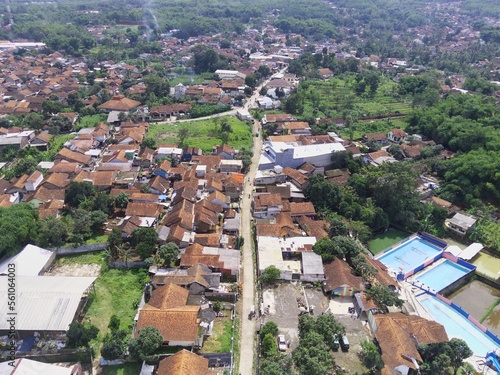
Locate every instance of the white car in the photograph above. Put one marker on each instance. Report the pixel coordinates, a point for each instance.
(281, 343)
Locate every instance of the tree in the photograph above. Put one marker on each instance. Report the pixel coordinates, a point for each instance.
(79, 192)
(114, 345)
(147, 342)
(269, 345)
(148, 142)
(270, 275)
(80, 335)
(238, 242)
(329, 327)
(250, 80)
(444, 357)
(52, 232)
(322, 193)
(312, 357)
(18, 226)
(168, 253)
(145, 240)
(269, 328)
(121, 200)
(114, 323)
(217, 306)
(182, 135)
(22, 166)
(383, 296)
(371, 356)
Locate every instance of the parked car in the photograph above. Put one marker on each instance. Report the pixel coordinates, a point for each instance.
(344, 343)
(335, 343)
(281, 343)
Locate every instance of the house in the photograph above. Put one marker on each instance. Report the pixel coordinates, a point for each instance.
(340, 280)
(243, 114)
(287, 254)
(230, 166)
(31, 261)
(266, 205)
(225, 261)
(281, 225)
(119, 103)
(41, 141)
(56, 181)
(325, 73)
(397, 135)
(378, 157)
(33, 181)
(302, 209)
(167, 310)
(398, 336)
(198, 279)
(297, 127)
(185, 363)
(225, 151)
(379, 138)
(189, 152)
(72, 156)
(102, 180)
(314, 228)
(461, 223)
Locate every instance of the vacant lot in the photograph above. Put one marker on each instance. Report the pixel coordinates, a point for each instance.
(116, 291)
(204, 133)
(284, 311)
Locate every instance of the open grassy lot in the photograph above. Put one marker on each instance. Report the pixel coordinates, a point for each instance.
(125, 369)
(116, 292)
(331, 98)
(220, 341)
(382, 241)
(204, 133)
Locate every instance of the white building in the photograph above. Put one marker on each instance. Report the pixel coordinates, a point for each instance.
(293, 154)
(293, 256)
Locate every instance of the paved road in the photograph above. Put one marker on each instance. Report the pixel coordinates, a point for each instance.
(247, 277)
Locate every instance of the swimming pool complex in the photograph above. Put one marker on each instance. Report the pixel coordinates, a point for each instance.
(409, 255)
(442, 275)
(456, 325)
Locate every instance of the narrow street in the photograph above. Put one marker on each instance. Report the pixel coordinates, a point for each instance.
(247, 277)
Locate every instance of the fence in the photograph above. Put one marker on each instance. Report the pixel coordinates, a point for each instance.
(80, 249)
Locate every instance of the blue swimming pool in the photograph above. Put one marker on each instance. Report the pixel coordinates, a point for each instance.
(409, 255)
(456, 325)
(442, 275)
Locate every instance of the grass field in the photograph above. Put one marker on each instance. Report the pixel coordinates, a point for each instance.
(220, 341)
(116, 292)
(203, 133)
(331, 98)
(125, 369)
(382, 241)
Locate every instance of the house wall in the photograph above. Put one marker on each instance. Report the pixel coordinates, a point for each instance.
(180, 343)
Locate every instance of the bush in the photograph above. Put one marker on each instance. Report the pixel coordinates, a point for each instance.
(80, 334)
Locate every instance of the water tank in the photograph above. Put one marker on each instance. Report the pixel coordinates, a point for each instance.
(278, 169)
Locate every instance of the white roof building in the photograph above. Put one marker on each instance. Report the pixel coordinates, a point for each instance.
(293, 154)
(44, 303)
(25, 366)
(31, 261)
(303, 264)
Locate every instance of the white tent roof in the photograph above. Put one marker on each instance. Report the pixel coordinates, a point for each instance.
(26, 366)
(454, 250)
(44, 303)
(471, 251)
(29, 262)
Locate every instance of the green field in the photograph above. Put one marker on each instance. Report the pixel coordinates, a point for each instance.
(334, 97)
(116, 292)
(203, 133)
(382, 241)
(125, 369)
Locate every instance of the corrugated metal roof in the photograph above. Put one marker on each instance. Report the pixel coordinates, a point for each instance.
(44, 303)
